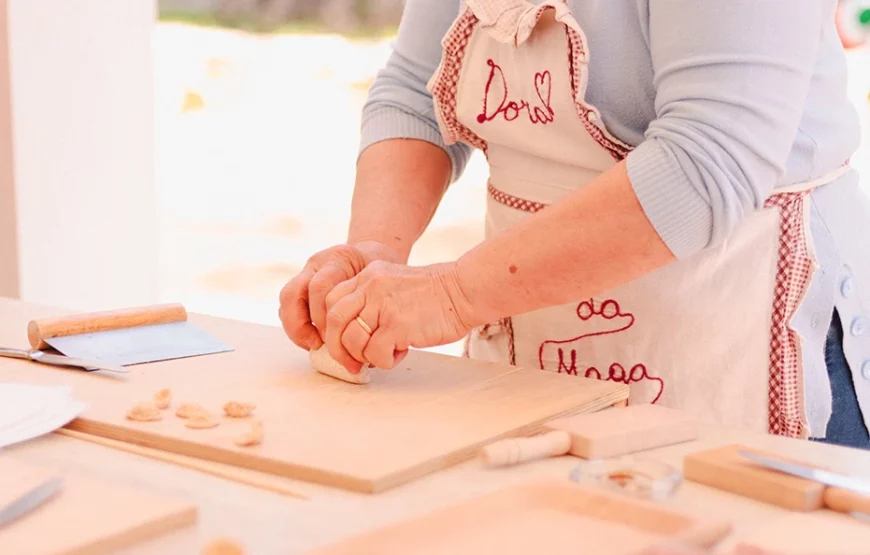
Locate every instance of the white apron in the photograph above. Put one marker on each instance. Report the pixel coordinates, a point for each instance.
(710, 334)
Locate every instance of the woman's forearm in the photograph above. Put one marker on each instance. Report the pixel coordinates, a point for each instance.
(399, 184)
(595, 239)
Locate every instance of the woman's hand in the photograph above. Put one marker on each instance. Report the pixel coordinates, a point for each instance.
(303, 299)
(402, 306)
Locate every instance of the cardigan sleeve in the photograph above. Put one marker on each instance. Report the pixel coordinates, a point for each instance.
(399, 105)
(730, 81)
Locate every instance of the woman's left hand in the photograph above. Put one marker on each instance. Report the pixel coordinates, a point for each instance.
(402, 306)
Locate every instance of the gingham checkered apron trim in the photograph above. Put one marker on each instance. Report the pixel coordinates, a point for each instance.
(444, 82)
(794, 271)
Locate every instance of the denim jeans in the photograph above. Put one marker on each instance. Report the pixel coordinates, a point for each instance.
(846, 426)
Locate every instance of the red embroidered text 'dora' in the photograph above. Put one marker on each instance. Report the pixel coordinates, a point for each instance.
(497, 102)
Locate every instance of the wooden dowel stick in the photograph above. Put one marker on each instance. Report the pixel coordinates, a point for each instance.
(215, 469)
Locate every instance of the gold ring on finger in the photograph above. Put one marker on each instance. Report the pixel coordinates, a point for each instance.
(363, 325)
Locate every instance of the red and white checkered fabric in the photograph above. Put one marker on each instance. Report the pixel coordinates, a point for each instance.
(444, 89)
(577, 51)
(514, 202)
(794, 271)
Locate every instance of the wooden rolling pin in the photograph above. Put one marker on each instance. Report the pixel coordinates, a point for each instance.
(513, 451)
(724, 468)
(607, 433)
(40, 330)
(846, 501)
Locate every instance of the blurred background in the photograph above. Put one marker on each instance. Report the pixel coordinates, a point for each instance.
(258, 111)
(227, 130)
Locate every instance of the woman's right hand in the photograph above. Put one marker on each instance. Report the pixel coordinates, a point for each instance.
(303, 300)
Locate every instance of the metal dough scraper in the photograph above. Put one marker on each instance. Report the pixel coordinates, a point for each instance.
(126, 337)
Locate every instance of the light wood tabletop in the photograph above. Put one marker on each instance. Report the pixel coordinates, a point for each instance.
(270, 523)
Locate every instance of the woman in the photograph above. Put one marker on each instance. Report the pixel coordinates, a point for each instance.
(670, 206)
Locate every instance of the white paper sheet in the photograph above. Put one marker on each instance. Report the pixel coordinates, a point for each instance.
(29, 411)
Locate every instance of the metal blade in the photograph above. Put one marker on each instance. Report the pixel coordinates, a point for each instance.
(851, 483)
(30, 500)
(60, 360)
(142, 344)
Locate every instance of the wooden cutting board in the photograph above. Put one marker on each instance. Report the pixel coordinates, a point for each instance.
(431, 412)
(86, 517)
(816, 533)
(553, 517)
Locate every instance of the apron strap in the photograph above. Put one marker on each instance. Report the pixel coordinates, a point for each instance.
(820, 181)
(512, 21)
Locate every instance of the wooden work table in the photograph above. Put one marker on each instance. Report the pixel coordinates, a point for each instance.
(269, 523)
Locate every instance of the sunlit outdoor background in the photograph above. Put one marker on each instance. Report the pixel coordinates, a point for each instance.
(257, 130)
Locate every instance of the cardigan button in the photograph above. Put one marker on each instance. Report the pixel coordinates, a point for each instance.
(859, 326)
(865, 370)
(846, 287)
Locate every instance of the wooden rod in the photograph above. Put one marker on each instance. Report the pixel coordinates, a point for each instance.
(40, 330)
(215, 469)
(845, 501)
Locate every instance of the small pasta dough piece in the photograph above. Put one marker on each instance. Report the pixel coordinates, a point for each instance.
(190, 410)
(144, 412)
(323, 362)
(254, 436)
(223, 546)
(201, 421)
(236, 409)
(163, 398)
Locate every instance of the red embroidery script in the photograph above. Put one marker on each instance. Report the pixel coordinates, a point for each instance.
(496, 101)
(604, 320)
(616, 373)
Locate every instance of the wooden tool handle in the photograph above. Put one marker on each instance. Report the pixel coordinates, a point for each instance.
(845, 501)
(40, 330)
(517, 450)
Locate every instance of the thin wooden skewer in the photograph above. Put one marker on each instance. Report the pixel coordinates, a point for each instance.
(228, 473)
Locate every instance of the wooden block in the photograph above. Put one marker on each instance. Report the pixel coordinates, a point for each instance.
(724, 468)
(87, 515)
(619, 431)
